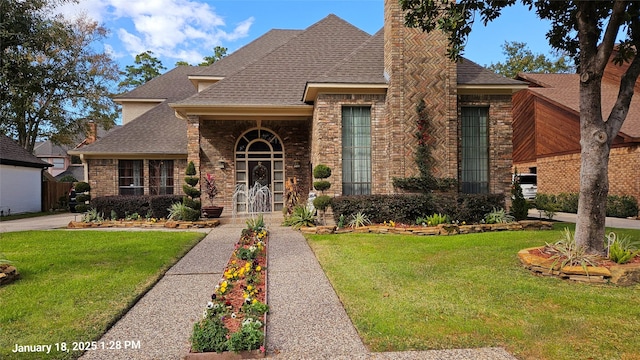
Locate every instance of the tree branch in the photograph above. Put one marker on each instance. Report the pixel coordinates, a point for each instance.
(609, 38)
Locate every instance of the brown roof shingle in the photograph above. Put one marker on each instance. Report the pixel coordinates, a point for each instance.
(13, 154)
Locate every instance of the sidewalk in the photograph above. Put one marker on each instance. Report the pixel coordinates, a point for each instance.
(568, 217)
(39, 223)
(306, 319)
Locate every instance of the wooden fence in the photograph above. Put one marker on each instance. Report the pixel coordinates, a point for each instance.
(55, 195)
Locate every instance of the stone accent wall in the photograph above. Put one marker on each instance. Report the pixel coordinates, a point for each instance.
(103, 176)
(557, 174)
(418, 69)
(500, 138)
(218, 141)
(326, 143)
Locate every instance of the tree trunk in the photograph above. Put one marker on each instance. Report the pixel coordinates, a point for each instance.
(594, 188)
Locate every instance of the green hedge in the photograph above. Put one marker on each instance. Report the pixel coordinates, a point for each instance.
(617, 206)
(469, 208)
(123, 205)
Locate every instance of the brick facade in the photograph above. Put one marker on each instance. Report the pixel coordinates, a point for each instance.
(103, 175)
(558, 174)
(418, 69)
(326, 139)
(500, 134)
(218, 140)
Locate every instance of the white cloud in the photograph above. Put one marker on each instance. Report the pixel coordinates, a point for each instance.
(179, 29)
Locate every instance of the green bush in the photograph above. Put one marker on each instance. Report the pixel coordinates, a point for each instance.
(209, 335)
(190, 191)
(519, 205)
(301, 216)
(191, 169)
(194, 204)
(191, 180)
(121, 206)
(617, 206)
(68, 178)
(403, 208)
(322, 202)
(180, 212)
(321, 185)
(80, 208)
(81, 198)
(321, 171)
(81, 187)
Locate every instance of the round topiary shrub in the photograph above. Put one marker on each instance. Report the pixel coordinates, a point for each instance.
(82, 186)
(321, 171)
(321, 185)
(322, 202)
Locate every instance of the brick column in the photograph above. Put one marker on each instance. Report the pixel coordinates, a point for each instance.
(193, 140)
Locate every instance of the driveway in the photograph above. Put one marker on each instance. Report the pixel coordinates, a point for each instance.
(47, 222)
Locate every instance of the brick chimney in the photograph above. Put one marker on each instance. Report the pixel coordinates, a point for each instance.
(417, 68)
(92, 133)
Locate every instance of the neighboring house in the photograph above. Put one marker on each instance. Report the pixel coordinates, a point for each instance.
(330, 94)
(20, 178)
(546, 133)
(63, 163)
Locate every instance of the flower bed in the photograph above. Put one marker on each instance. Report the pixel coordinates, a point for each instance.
(234, 321)
(144, 224)
(442, 229)
(536, 261)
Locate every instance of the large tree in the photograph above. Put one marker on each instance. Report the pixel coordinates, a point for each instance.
(521, 59)
(52, 80)
(218, 53)
(146, 67)
(586, 31)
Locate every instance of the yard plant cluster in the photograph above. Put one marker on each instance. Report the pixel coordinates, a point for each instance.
(617, 206)
(234, 319)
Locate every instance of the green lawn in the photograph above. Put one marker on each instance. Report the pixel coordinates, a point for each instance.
(75, 284)
(469, 291)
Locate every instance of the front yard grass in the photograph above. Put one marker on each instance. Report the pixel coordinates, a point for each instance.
(470, 291)
(75, 284)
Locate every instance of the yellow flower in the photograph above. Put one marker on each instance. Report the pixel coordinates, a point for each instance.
(254, 301)
(249, 287)
(258, 268)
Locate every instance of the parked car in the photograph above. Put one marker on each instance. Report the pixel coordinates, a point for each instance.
(529, 185)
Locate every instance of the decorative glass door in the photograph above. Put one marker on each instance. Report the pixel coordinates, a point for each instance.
(259, 166)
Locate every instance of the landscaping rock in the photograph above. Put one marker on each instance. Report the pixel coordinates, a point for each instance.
(625, 275)
(8, 274)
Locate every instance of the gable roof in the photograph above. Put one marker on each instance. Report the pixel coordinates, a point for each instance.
(157, 131)
(564, 90)
(13, 154)
(279, 77)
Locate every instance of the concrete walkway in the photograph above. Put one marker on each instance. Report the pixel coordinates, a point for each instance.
(568, 217)
(306, 318)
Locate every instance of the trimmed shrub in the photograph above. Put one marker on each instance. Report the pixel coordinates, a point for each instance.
(322, 202)
(82, 197)
(617, 206)
(123, 205)
(321, 171)
(622, 206)
(402, 208)
(81, 187)
(321, 185)
(68, 178)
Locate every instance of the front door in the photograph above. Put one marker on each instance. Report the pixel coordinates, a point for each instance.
(259, 166)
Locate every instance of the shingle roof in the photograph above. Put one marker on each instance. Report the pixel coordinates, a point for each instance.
(279, 77)
(564, 89)
(365, 65)
(13, 154)
(158, 131)
(248, 53)
(173, 84)
(470, 73)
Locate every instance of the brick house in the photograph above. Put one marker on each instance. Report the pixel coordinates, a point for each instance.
(292, 99)
(546, 132)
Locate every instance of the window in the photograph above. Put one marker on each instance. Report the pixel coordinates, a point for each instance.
(58, 163)
(160, 177)
(356, 150)
(475, 150)
(130, 177)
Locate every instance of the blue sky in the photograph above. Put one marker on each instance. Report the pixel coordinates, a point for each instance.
(188, 30)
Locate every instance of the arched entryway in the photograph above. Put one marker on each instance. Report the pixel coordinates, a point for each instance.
(259, 157)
